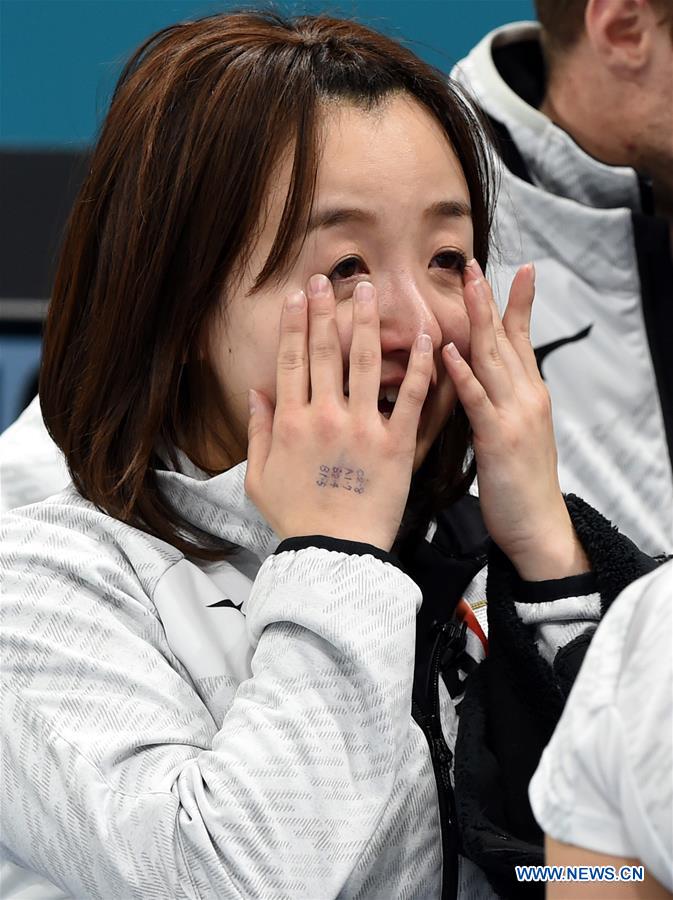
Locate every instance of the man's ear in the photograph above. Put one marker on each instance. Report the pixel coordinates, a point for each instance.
(621, 33)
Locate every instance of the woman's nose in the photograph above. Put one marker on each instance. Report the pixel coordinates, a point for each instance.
(405, 311)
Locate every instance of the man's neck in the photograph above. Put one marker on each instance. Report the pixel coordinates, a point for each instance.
(590, 132)
(595, 136)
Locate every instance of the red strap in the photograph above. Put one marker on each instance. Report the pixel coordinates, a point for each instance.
(465, 613)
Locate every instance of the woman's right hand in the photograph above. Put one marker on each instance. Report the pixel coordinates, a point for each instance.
(322, 462)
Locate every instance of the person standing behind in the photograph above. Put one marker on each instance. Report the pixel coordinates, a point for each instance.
(581, 105)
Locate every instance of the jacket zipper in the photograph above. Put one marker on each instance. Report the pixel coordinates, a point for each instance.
(450, 641)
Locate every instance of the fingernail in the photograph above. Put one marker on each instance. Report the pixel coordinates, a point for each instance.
(452, 351)
(476, 268)
(252, 401)
(318, 285)
(424, 343)
(364, 292)
(479, 285)
(533, 273)
(295, 301)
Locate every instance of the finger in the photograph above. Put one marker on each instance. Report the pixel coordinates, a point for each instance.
(324, 348)
(508, 354)
(471, 392)
(260, 429)
(472, 273)
(485, 358)
(517, 318)
(364, 374)
(292, 369)
(414, 389)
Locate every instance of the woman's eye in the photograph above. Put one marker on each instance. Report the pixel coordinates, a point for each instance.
(453, 260)
(348, 268)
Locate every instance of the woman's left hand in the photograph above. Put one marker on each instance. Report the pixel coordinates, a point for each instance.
(509, 409)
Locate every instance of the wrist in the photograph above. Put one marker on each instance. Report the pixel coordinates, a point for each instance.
(338, 544)
(381, 542)
(556, 554)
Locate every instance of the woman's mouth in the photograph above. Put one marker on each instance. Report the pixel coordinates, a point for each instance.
(387, 398)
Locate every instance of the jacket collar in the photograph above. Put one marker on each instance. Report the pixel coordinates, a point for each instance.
(555, 162)
(219, 506)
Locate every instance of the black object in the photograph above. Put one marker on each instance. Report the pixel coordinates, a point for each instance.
(37, 191)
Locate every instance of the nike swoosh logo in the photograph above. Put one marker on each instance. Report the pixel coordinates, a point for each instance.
(226, 602)
(541, 353)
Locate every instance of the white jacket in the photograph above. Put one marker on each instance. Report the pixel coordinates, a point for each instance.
(160, 742)
(602, 266)
(236, 730)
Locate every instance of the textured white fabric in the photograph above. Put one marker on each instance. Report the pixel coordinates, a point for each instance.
(575, 224)
(605, 781)
(31, 465)
(156, 745)
(557, 622)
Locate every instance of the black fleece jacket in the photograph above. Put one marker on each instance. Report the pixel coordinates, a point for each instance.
(512, 704)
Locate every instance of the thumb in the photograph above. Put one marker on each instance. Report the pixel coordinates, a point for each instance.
(259, 435)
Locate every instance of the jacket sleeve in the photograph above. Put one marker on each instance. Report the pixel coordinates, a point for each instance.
(537, 639)
(118, 783)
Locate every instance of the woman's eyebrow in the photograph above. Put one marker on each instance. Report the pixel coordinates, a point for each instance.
(332, 216)
(448, 209)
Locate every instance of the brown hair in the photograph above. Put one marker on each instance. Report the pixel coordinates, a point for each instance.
(176, 187)
(563, 21)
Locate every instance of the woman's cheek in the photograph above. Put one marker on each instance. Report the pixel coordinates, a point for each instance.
(455, 327)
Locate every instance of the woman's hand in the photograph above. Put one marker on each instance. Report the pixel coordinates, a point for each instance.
(509, 408)
(324, 463)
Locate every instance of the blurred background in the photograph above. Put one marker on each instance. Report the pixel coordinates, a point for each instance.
(59, 60)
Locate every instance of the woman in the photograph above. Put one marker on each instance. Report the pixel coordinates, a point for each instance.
(210, 662)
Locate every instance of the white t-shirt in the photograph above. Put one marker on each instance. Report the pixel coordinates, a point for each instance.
(605, 782)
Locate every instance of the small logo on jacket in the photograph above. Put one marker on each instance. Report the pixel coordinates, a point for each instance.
(226, 602)
(541, 353)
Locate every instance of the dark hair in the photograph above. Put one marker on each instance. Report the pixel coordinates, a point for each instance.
(176, 187)
(563, 21)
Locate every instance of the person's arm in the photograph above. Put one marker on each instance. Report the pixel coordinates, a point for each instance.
(604, 783)
(119, 781)
(560, 854)
(554, 568)
(515, 699)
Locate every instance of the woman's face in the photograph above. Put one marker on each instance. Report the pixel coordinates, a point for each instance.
(391, 206)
